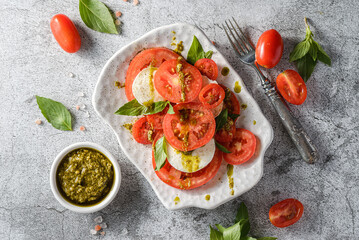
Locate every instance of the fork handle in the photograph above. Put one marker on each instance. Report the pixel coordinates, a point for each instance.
(300, 138)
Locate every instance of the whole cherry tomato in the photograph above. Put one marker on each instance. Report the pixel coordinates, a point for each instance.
(286, 212)
(269, 49)
(292, 87)
(65, 33)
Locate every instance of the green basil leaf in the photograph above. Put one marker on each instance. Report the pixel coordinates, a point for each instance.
(245, 226)
(306, 66)
(242, 213)
(248, 238)
(233, 232)
(220, 228)
(267, 238)
(208, 54)
(170, 109)
(96, 16)
(56, 113)
(221, 147)
(195, 52)
(313, 50)
(215, 235)
(132, 108)
(160, 153)
(221, 119)
(233, 116)
(300, 50)
(323, 56)
(156, 107)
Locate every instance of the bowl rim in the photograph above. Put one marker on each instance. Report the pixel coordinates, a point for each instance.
(110, 196)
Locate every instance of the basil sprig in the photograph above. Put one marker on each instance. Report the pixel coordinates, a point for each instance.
(307, 53)
(134, 108)
(221, 147)
(221, 119)
(196, 52)
(160, 153)
(56, 113)
(96, 16)
(238, 231)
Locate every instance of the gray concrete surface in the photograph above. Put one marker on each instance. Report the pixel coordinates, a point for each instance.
(33, 64)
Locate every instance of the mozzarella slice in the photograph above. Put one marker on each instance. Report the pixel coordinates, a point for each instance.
(193, 161)
(143, 88)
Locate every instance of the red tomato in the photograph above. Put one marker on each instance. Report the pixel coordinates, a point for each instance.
(154, 56)
(269, 49)
(242, 147)
(292, 87)
(156, 119)
(178, 86)
(143, 132)
(230, 101)
(211, 96)
(226, 133)
(182, 180)
(190, 127)
(207, 67)
(286, 212)
(65, 33)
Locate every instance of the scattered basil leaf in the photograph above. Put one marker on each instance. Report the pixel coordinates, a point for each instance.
(221, 147)
(233, 116)
(196, 52)
(56, 113)
(220, 228)
(242, 213)
(233, 232)
(134, 108)
(267, 238)
(96, 16)
(157, 107)
(306, 53)
(160, 153)
(221, 119)
(215, 235)
(245, 226)
(170, 109)
(248, 238)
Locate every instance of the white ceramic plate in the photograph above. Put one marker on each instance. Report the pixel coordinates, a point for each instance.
(108, 98)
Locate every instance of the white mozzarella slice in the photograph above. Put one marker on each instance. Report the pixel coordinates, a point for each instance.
(143, 88)
(193, 161)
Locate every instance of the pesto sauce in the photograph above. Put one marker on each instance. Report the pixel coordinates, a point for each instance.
(225, 71)
(237, 87)
(207, 197)
(179, 47)
(230, 178)
(189, 162)
(85, 177)
(254, 122)
(176, 200)
(244, 106)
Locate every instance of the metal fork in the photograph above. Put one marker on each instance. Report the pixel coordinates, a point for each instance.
(246, 53)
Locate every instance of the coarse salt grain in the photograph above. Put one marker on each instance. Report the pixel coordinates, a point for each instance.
(98, 219)
(77, 107)
(71, 75)
(38, 121)
(82, 106)
(93, 231)
(87, 114)
(124, 231)
(103, 225)
(118, 22)
(97, 227)
(118, 14)
(135, 2)
(103, 233)
(82, 128)
(80, 94)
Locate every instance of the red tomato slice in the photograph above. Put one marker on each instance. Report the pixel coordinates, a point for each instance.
(185, 181)
(65, 33)
(143, 132)
(226, 133)
(242, 147)
(207, 67)
(178, 85)
(230, 101)
(286, 212)
(190, 127)
(211, 95)
(156, 56)
(292, 87)
(156, 119)
(269, 49)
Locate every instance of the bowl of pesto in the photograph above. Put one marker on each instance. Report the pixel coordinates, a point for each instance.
(85, 177)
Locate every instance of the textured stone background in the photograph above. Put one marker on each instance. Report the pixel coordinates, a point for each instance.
(32, 63)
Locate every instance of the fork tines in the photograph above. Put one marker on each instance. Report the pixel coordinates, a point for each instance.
(240, 43)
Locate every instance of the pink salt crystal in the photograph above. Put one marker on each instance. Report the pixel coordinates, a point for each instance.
(118, 22)
(103, 233)
(125, 0)
(135, 2)
(82, 128)
(38, 121)
(77, 107)
(118, 14)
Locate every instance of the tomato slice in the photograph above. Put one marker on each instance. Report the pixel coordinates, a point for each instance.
(207, 67)
(154, 56)
(185, 181)
(143, 132)
(211, 95)
(292, 87)
(226, 133)
(156, 119)
(230, 101)
(178, 81)
(286, 212)
(242, 147)
(190, 127)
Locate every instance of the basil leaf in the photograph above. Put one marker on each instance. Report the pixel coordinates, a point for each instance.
(157, 107)
(215, 235)
(132, 108)
(221, 119)
(323, 56)
(245, 227)
(300, 50)
(242, 213)
(267, 238)
(248, 238)
(306, 66)
(313, 50)
(220, 228)
(233, 116)
(56, 113)
(196, 52)
(208, 54)
(96, 16)
(221, 147)
(170, 109)
(233, 232)
(160, 153)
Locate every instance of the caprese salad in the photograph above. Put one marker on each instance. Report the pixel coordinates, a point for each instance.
(185, 114)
